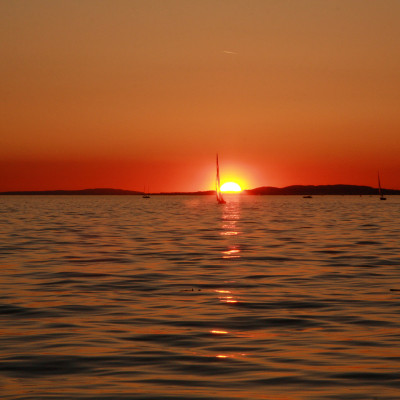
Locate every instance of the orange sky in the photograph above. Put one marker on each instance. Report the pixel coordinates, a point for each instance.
(125, 93)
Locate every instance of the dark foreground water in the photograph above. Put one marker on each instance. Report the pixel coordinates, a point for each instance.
(119, 297)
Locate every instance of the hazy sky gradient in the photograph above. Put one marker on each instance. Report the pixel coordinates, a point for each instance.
(126, 93)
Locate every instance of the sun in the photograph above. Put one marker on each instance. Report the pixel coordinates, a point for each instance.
(231, 187)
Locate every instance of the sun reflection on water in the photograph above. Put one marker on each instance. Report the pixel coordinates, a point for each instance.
(232, 253)
(218, 332)
(226, 297)
(230, 218)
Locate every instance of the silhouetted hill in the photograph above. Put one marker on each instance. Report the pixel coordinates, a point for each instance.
(98, 191)
(203, 192)
(302, 190)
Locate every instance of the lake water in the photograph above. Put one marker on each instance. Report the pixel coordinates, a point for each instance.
(176, 297)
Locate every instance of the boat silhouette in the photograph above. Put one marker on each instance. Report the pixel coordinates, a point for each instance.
(381, 196)
(220, 199)
(145, 195)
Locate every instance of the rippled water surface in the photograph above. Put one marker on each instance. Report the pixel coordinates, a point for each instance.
(174, 297)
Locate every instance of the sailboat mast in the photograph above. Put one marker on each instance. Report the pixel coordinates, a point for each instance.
(218, 186)
(381, 196)
(218, 181)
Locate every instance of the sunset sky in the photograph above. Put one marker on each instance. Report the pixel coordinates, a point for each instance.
(127, 93)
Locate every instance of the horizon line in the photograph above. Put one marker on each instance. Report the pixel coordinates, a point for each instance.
(207, 191)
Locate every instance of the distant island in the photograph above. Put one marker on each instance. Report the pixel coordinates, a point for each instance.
(311, 190)
(299, 190)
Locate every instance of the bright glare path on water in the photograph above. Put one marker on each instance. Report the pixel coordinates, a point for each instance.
(118, 297)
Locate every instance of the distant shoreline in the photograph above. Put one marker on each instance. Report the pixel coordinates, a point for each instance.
(296, 190)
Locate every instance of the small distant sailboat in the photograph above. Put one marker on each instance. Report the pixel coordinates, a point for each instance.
(145, 195)
(220, 199)
(381, 196)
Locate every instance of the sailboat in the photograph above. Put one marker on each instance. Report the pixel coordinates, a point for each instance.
(220, 199)
(145, 195)
(381, 196)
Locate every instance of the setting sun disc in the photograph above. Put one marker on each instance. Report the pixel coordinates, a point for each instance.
(231, 187)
